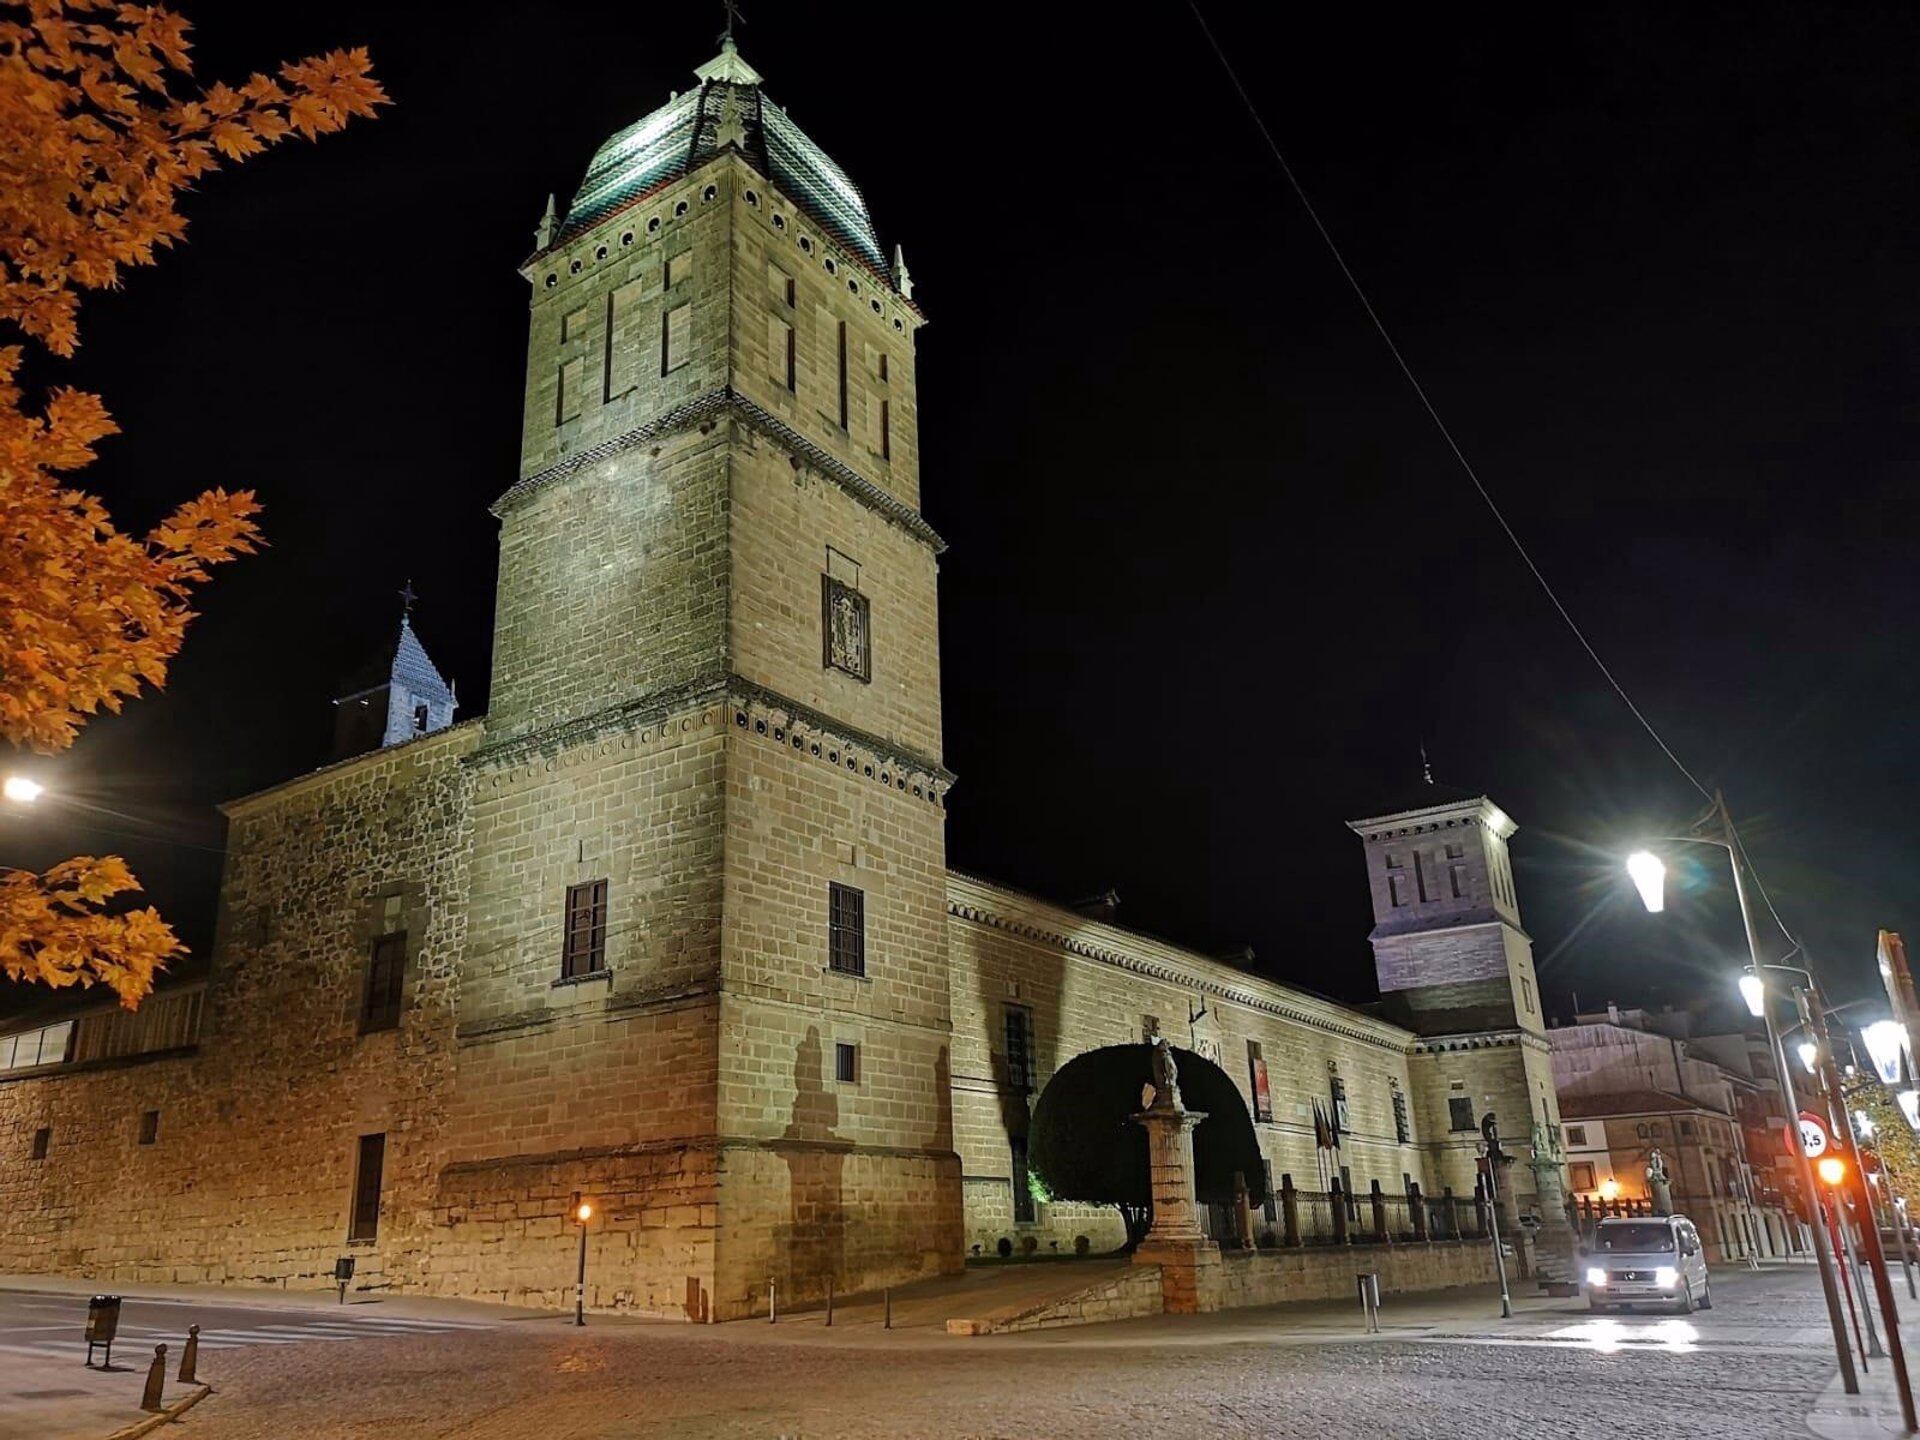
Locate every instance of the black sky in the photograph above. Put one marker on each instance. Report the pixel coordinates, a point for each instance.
(1213, 576)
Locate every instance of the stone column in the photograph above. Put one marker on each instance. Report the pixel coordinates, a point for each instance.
(1556, 1243)
(1190, 1278)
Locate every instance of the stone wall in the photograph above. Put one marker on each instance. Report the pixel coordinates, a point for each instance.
(250, 1178)
(1274, 1277)
(1087, 984)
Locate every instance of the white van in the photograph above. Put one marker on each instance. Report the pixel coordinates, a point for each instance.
(1655, 1260)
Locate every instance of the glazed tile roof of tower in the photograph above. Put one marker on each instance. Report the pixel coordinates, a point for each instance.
(727, 107)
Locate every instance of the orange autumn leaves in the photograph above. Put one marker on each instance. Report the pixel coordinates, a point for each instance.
(96, 151)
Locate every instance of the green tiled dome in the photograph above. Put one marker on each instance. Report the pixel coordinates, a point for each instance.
(727, 107)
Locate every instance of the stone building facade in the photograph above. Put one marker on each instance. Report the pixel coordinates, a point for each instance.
(671, 926)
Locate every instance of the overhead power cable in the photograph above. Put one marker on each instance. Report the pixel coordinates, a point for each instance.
(1427, 404)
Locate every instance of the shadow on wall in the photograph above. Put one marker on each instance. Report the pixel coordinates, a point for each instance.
(811, 1246)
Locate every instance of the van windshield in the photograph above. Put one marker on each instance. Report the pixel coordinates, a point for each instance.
(1634, 1239)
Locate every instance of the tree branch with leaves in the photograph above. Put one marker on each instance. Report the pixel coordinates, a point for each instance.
(96, 152)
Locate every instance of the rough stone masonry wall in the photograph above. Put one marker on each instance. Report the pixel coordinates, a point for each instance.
(1086, 985)
(250, 1178)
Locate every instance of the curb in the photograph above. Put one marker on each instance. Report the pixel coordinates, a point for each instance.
(154, 1422)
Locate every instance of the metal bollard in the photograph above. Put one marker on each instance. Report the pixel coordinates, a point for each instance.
(156, 1380)
(888, 1293)
(190, 1357)
(829, 1300)
(1368, 1284)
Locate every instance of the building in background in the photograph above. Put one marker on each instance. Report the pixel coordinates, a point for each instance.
(1634, 1081)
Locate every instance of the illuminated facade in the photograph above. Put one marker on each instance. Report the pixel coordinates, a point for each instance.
(671, 927)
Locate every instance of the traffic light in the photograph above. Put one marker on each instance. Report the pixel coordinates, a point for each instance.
(1831, 1169)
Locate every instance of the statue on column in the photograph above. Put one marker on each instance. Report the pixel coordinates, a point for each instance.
(1658, 1188)
(1166, 1077)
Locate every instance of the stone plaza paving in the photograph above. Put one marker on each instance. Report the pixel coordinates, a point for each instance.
(1445, 1365)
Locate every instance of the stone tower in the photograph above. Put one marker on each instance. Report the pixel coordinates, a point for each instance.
(1455, 967)
(712, 761)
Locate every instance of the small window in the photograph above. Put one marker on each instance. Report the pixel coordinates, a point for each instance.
(149, 1126)
(1526, 994)
(653, 226)
(1023, 1208)
(568, 388)
(584, 949)
(779, 221)
(386, 974)
(422, 717)
(365, 1224)
(42, 1139)
(1460, 1113)
(846, 1063)
(753, 198)
(680, 208)
(1019, 1033)
(1686, 1127)
(1580, 1175)
(1576, 1134)
(710, 193)
(846, 929)
(806, 244)
(1402, 1121)
(676, 328)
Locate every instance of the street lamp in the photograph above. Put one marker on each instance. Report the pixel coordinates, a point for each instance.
(582, 1212)
(1648, 873)
(21, 789)
(1886, 1042)
(1809, 1052)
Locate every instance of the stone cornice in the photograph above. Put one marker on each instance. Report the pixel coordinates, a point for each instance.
(649, 709)
(984, 903)
(751, 707)
(901, 767)
(1481, 1040)
(726, 401)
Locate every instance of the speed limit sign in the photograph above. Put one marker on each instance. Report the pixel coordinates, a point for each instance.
(1813, 1135)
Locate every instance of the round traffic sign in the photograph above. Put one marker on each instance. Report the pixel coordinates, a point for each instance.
(1813, 1135)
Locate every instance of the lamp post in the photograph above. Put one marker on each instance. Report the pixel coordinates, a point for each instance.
(582, 1212)
(1649, 875)
(1814, 1012)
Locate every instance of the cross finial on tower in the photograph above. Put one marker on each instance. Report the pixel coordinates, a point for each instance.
(407, 598)
(734, 17)
(1426, 770)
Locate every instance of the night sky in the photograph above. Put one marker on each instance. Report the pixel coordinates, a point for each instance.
(1213, 576)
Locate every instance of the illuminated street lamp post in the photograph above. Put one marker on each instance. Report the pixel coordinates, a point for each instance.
(1649, 876)
(582, 1212)
(21, 789)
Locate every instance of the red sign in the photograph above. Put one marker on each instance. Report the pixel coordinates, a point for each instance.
(1262, 1096)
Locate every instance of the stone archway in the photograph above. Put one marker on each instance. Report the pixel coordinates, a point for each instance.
(1085, 1146)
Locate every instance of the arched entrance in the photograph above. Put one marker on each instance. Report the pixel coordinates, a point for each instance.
(1084, 1145)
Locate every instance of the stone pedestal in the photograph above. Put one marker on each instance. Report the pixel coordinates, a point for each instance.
(1190, 1279)
(1555, 1244)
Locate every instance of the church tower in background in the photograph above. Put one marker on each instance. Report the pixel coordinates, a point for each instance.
(1455, 967)
(714, 736)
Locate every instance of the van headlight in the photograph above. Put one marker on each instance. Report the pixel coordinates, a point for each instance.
(1666, 1277)
(1596, 1276)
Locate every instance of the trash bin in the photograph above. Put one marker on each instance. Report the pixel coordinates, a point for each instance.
(103, 1323)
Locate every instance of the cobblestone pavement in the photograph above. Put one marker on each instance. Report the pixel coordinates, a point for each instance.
(1750, 1368)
